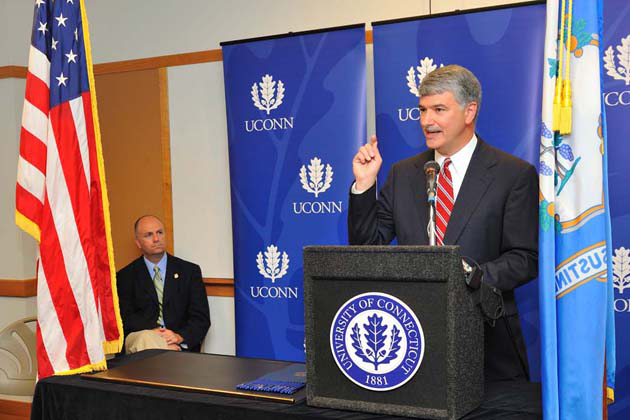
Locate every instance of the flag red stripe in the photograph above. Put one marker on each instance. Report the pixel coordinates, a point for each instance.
(33, 150)
(72, 165)
(37, 93)
(27, 204)
(100, 280)
(44, 367)
(103, 269)
(74, 174)
(61, 293)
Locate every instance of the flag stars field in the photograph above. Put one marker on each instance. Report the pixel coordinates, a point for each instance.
(71, 56)
(61, 79)
(61, 20)
(43, 27)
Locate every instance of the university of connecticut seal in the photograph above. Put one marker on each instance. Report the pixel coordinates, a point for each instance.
(377, 341)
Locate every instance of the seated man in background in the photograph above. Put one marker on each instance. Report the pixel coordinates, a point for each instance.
(163, 302)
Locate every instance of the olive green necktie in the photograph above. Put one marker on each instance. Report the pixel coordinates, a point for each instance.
(159, 288)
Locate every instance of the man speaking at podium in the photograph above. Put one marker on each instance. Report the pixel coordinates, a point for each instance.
(487, 203)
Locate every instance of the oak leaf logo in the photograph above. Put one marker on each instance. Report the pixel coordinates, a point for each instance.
(426, 66)
(274, 265)
(621, 269)
(269, 98)
(320, 179)
(373, 348)
(623, 56)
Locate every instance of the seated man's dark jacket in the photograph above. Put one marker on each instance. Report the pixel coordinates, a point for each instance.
(494, 221)
(185, 305)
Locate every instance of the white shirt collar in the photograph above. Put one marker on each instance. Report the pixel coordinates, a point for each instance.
(461, 159)
(459, 165)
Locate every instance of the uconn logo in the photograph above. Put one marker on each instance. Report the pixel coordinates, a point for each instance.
(617, 98)
(409, 114)
(377, 341)
(269, 124)
(316, 178)
(618, 67)
(268, 95)
(414, 78)
(621, 278)
(273, 264)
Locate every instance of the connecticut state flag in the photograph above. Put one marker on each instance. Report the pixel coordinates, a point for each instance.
(576, 295)
(61, 197)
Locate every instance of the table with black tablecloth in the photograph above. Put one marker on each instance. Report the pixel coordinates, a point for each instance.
(74, 397)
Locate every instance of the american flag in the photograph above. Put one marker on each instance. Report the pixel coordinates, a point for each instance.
(61, 197)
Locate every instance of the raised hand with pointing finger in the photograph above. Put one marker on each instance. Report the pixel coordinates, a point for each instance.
(366, 164)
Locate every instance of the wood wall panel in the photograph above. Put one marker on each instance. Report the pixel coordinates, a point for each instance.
(219, 287)
(15, 410)
(131, 129)
(165, 146)
(18, 72)
(18, 288)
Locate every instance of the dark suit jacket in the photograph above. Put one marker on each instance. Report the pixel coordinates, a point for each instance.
(185, 305)
(494, 219)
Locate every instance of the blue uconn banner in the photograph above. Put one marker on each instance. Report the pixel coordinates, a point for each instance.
(503, 47)
(296, 113)
(615, 49)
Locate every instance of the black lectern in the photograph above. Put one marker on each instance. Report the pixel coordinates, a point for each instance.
(391, 330)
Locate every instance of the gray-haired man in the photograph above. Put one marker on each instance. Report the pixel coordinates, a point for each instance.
(493, 209)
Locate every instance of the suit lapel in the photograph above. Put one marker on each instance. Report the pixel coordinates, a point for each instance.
(421, 196)
(170, 283)
(476, 182)
(145, 279)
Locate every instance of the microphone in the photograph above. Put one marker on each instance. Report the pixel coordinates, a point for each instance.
(431, 170)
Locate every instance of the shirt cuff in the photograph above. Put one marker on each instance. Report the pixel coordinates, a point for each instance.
(354, 189)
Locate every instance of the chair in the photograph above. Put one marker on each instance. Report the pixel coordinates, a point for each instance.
(18, 360)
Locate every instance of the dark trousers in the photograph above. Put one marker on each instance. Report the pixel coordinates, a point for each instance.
(504, 350)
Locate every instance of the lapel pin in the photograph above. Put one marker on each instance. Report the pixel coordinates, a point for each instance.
(176, 276)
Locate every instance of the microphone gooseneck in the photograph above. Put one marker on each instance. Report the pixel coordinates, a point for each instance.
(431, 170)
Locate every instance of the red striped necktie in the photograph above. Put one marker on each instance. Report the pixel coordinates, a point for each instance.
(444, 201)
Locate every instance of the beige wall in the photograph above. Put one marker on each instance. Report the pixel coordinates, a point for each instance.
(17, 250)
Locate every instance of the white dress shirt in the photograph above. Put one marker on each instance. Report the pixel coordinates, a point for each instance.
(459, 164)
